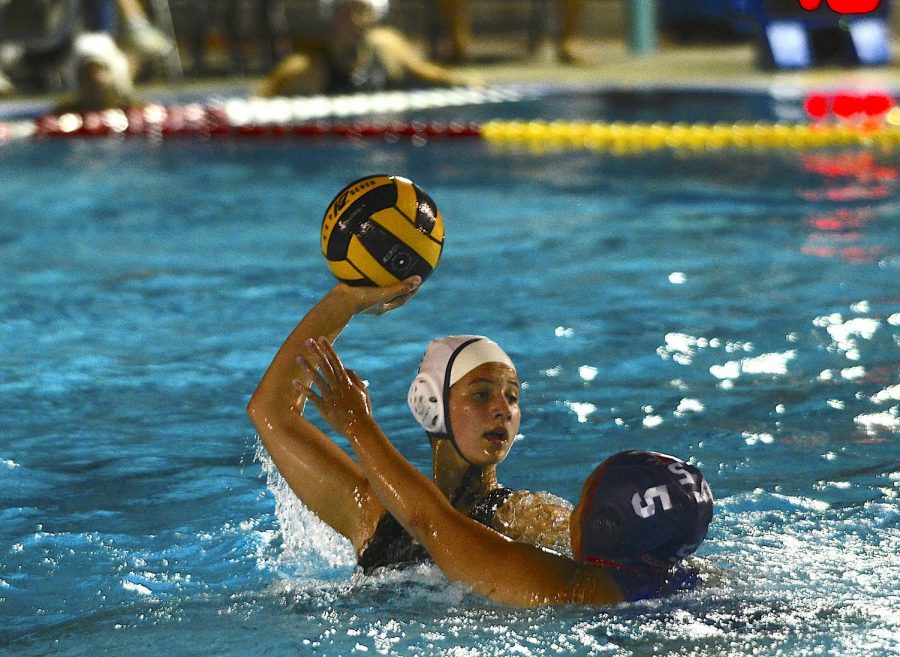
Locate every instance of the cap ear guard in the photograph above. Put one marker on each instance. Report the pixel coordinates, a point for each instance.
(605, 527)
(425, 400)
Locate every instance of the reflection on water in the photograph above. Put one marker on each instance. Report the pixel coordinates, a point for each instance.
(839, 229)
(742, 312)
(795, 574)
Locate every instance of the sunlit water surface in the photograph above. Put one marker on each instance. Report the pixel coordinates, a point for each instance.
(738, 309)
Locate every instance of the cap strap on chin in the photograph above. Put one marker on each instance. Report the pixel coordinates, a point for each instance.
(448, 382)
(446, 361)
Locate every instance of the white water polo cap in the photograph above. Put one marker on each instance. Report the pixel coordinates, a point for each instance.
(100, 47)
(379, 7)
(445, 362)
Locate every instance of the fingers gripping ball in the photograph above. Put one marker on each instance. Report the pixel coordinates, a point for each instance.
(381, 229)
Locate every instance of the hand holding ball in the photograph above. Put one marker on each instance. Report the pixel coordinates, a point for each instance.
(380, 230)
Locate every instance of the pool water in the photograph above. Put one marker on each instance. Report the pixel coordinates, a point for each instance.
(738, 309)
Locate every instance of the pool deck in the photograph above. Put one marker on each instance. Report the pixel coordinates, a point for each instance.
(609, 65)
(716, 66)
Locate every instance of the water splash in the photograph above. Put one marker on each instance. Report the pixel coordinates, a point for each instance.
(309, 547)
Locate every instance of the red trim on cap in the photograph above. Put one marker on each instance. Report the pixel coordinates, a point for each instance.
(612, 565)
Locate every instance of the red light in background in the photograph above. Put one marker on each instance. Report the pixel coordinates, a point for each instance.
(843, 6)
(847, 105)
(816, 105)
(875, 104)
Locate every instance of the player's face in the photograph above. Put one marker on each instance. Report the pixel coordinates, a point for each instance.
(484, 413)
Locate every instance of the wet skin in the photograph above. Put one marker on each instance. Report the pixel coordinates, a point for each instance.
(485, 413)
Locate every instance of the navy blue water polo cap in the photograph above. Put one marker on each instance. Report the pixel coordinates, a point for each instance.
(642, 510)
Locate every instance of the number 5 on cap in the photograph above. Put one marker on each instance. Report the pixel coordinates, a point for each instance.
(646, 507)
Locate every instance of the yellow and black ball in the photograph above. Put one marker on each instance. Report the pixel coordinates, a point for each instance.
(381, 229)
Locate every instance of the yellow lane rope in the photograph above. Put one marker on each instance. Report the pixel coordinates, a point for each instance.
(640, 137)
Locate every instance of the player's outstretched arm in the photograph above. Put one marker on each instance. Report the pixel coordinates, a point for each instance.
(466, 551)
(319, 472)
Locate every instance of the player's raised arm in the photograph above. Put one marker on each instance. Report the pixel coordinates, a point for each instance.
(319, 472)
(505, 571)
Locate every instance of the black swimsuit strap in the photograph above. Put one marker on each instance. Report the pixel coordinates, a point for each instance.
(391, 545)
(486, 506)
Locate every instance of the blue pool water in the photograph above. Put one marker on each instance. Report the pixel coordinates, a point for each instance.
(738, 309)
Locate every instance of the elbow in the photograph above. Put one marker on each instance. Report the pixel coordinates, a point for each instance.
(257, 409)
(261, 420)
(253, 407)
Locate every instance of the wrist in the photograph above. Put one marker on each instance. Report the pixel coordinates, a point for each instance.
(341, 301)
(359, 427)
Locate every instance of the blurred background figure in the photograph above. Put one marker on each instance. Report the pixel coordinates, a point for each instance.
(37, 39)
(100, 74)
(128, 23)
(358, 54)
(567, 47)
(7, 88)
(140, 34)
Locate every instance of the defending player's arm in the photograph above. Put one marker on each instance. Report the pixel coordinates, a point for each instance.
(505, 571)
(319, 472)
